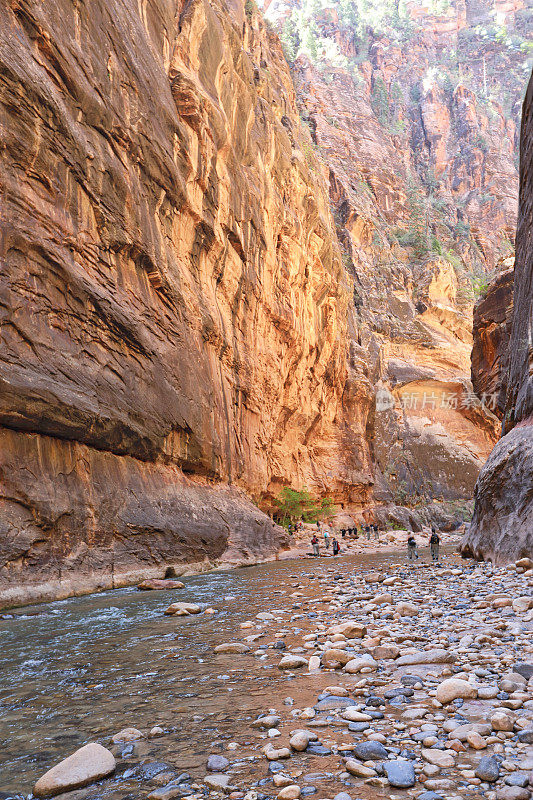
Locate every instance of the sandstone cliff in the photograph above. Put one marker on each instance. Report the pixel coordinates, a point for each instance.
(502, 526)
(414, 116)
(492, 330)
(220, 278)
(173, 301)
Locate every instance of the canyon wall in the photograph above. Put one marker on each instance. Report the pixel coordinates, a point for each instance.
(415, 115)
(174, 307)
(221, 276)
(502, 526)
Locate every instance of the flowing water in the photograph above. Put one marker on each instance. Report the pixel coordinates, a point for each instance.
(79, 670)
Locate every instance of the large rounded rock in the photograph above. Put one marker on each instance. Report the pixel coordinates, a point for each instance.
(86, 765)
(299, 741)
(357, 664)
(436, 656)
(232, 647)
(291, 792)
(160, 584)
(501, 721)
(358, 770)
(453, 689)
(335, 657)
(488, 769)
(439, 758)
(405, 609)
(217, 763)
(353, 715)
(400, 774)
(293, 662)
(127, 735)
(350, 629)
(370, 751)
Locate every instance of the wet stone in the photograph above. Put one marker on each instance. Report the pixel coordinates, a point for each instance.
(400, 774)
(370, 751)
(217, 763)
(488, 769)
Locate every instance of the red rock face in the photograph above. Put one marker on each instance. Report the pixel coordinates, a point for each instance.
(492, 329)
(172, 291)
(179, 323)
(502, 527)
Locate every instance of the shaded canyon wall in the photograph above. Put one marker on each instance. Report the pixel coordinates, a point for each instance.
(502, 526)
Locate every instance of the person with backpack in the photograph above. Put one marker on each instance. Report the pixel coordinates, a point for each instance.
(316, 547)
(326, 538)
(336, 547)
(411, 548)
(434, 542)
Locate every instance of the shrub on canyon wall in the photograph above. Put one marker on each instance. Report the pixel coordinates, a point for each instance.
(294, 506)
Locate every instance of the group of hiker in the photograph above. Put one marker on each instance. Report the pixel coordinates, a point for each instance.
(412, 550)
(315, 542)
(367, 530)
(434, 545)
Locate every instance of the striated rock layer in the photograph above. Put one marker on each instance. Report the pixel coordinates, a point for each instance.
(172, 293)
(181, 332)
(502, 527)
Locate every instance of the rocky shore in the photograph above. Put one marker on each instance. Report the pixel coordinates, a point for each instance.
(412, 681)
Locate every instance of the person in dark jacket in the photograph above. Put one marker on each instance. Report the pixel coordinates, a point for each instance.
(412, 552)
(336, 547)
(434, 542)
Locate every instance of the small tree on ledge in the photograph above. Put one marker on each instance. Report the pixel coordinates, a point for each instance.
(295, 506)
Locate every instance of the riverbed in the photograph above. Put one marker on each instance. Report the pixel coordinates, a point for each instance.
(81, 669)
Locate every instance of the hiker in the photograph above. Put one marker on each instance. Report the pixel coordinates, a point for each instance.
(434, 542)
(411, 548)
(367, 531)
(290, 528)
(376, 531)
(326, 538)
(336, 547)
(316, 548)
(343, 532)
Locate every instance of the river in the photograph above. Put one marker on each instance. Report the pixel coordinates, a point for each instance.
(80, 669)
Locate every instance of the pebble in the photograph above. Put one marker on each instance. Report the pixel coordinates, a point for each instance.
(217, 763)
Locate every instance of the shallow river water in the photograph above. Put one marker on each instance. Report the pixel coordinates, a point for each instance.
(81, 669)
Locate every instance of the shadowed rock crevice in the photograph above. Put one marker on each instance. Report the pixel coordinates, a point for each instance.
(502, 526)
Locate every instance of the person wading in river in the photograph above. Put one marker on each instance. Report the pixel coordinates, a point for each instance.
(434, 542)
(336, 547)
(411, 548)
(316, 548)
(326, 538)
